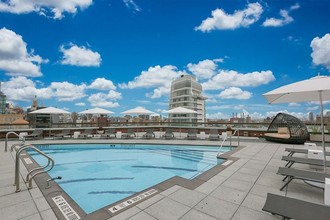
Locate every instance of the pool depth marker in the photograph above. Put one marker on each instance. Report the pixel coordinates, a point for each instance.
(131, 201)
(65, 208)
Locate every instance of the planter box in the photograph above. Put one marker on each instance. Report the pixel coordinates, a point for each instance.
(318, 137)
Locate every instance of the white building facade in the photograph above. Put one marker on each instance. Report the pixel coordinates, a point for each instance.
(187, 92)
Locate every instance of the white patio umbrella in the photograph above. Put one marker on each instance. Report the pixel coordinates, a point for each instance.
(138, 111)
(51, 111)
(313, 89)
(181, 110)
(100, 111)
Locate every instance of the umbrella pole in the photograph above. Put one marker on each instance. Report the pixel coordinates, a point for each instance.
(50, 123)
(322, 131)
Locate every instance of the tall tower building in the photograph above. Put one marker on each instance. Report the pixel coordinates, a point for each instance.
(311, 117)
(187, 92)
(2, 102)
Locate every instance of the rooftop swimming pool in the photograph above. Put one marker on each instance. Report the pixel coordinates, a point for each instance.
(96, 175)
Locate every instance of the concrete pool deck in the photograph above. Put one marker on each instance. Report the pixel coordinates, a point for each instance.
(237, 192)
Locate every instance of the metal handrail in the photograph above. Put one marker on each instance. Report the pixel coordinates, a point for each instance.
(30, 176)
(223, 141)
(225, 138)
(21, 138)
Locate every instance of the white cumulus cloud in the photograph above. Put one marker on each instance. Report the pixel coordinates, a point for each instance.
(321, 51)
(103, 100)
(155, 77)
(231, 78)
(220, 20)
(204, 69)
(44, 7)
(102, 84)
(23, 89)
(234, 93)
(80, 56)
(114, 95)
(285, 18)
(15, 60)
(65, 91)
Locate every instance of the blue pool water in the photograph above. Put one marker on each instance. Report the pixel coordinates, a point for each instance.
(98, 175)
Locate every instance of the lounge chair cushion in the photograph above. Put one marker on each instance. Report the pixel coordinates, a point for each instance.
(283, 130)
(277, 135)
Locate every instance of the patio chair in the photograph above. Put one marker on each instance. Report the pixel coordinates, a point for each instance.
(149, 134)
(37, 133)
(301, 151)
(192, 134)
(130, 134)
(63, 133)
(86, 133)
(214, 135)
(290, 208)
(310, 161)
(291, 174)
(109, 133)
(168, 134)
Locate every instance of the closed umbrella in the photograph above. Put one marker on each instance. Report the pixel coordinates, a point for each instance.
(313, 89)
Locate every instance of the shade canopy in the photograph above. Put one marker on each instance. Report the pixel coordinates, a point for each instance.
(50, 110)
(313, 89)
(302, 91)
(96, 111)
(138, 110)
(181, 110)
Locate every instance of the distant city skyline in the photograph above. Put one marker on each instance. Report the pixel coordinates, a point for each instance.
(122, 54)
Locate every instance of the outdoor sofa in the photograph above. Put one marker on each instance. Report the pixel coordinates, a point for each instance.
(288, 129)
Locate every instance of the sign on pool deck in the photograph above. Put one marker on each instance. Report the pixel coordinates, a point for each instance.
(65, 208)
(131, 201)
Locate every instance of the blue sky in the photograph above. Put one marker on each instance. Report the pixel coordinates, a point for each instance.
(119, 54)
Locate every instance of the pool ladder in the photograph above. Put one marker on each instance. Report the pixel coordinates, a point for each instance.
(34, 172)
(224, 138)
(21, 138)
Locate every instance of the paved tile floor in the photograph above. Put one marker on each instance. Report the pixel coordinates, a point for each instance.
(237, 193)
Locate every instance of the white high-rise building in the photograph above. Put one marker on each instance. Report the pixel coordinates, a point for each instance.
(187, 92)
